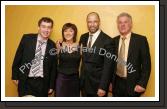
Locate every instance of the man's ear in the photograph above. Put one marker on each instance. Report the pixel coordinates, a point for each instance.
(38, 28)
(51, 30)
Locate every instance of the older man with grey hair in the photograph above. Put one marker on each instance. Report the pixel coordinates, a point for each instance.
(134, 64)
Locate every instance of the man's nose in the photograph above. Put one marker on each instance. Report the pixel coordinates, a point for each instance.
(46, 30)
(122, 25)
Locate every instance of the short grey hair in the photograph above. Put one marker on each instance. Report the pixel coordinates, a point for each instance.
(124, 14)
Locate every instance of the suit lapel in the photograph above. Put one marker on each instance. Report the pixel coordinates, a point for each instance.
(84, 41)
(47, 48)
(33, 44)
(131, 45)
(31, 48)
(46, 56)
(117, 45)
(99, 40)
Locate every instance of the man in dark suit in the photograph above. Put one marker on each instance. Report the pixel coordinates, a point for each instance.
(34, 66)
(133, 64)
(96, 69)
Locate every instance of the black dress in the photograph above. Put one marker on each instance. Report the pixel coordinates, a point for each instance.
(67, 82)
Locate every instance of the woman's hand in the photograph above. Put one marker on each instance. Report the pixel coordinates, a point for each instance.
(58, 43)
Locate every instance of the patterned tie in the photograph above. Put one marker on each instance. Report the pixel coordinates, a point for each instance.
(121, 56)
(90, 40)
(38, 55)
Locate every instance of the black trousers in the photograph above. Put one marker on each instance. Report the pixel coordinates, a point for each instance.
(120, 88)
(87, 94)
(35, 87)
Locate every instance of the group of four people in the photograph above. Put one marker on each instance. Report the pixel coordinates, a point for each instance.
(121, 64)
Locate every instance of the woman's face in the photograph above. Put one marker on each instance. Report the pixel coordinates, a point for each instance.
(69, 34)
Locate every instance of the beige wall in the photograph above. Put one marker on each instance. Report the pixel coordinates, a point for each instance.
(23, 19)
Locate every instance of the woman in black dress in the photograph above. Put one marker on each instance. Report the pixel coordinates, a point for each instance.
(67, 81)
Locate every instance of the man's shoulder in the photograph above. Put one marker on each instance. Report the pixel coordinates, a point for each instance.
(51, 41)
(85, 34)
(30, 36)
(116, 37)
(105, 36)
(138, 36)
(134, 35)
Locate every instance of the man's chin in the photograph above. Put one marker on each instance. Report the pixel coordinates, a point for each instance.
(93, 31)
(45, 37)
(122, 32)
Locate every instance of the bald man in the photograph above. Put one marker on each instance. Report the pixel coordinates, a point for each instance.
(96, 68)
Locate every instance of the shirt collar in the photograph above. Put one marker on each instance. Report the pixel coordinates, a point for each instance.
(96, 33)
(127, 36)
(39, 38)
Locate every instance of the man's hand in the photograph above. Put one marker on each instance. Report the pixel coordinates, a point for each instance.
(101, 92)
(16, 81)
(50, 91)
(139, 89)
(110, 87)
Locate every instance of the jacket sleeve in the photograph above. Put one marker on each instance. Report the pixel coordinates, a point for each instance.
(82, 75)
(145, 63)
(53, 71)
(108, 67)
(17, 60)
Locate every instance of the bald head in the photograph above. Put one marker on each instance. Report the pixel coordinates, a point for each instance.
(93, 22)
(93, 14)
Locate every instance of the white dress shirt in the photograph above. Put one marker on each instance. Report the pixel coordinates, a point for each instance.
(94, 37)
(126, 41)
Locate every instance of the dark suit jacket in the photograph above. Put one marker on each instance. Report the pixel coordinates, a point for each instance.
(96, 69)
(25, 54)
(139, 57)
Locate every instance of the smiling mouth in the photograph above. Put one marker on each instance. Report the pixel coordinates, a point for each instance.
(92, 28)
(68, 36)
(123, 28)
(45, 33)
